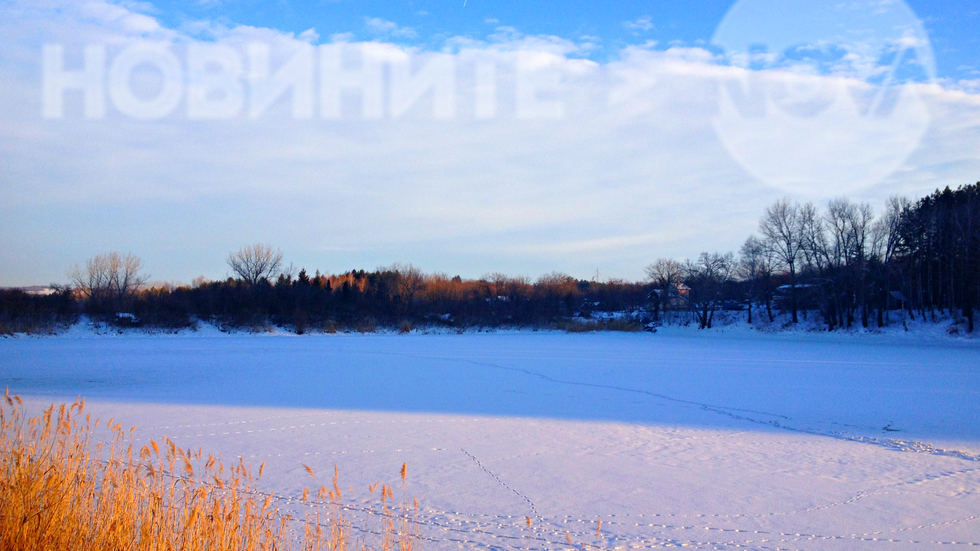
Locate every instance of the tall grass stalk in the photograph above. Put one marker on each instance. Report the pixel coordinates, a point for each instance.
(61, 488)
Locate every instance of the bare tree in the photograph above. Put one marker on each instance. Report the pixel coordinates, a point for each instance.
(890, 222)
(813, 238)
(884, 240)
(862, 226)
(518, 288)
(559, 289)
(840, 221)
(852, 243)
(755, 266)
(495, 285)
(410, 281)
(781, 226)
(664, 274)
(707, 278)
(254, 263)
(110, 276)
(840, 261)
(557, 283)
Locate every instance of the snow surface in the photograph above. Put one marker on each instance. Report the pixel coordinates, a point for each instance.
(712, 440)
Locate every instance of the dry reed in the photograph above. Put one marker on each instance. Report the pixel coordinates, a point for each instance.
(62, 488)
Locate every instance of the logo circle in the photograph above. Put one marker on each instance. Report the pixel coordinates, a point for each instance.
(822, 97)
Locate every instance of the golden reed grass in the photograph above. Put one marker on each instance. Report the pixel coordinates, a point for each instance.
(63, 489)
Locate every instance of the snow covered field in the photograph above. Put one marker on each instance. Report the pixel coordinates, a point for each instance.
(682, 438)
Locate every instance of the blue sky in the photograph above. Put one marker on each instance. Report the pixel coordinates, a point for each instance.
(951, 24)
(650, 155)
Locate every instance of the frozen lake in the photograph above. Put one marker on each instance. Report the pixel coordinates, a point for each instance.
(727, 441)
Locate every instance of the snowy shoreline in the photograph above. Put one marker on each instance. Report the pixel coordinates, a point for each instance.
(942, 331)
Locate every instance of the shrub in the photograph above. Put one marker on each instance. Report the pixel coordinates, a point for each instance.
(624, 325)
(367, 325)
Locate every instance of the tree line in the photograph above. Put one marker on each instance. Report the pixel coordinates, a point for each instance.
(842, 264)
(112, 288)
(389, 297)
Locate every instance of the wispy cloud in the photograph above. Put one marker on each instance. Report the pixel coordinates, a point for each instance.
(383, 27)
(643, 24)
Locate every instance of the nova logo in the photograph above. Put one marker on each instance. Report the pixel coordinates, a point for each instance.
(823, 97)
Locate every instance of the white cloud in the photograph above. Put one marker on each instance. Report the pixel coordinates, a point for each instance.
(138, 6)
(643, 24)
(972, 86)
(968, 70)
(382, 27)
(310, 36)
(140, 24)
(635, 169)
(511, 39)
(342, 37)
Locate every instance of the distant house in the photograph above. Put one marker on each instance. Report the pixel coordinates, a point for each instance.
(787, 289)
(39, 290)
(807, 296)
(125, 318)
(678, 296)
